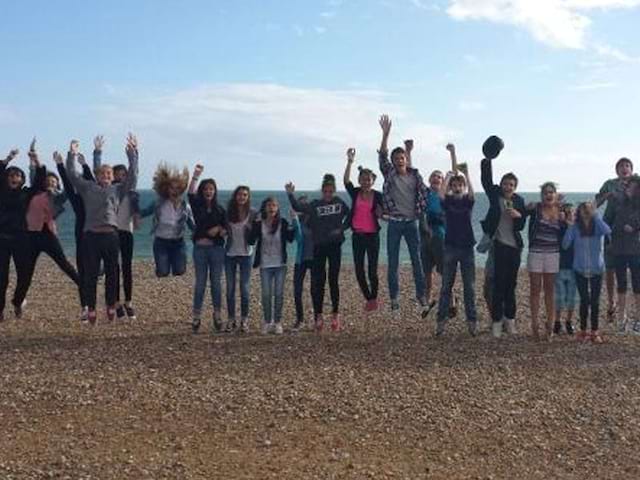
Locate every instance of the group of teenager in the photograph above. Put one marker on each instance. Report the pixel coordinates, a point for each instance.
(571, 249)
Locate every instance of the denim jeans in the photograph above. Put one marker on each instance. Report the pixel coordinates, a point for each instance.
(452, 257)
(411, 234)
(170, 256)
(208, 261)
(232, 265)
(589, 289)
(272, 280)
(299, 272)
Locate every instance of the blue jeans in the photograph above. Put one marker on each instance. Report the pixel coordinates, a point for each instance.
(411, 234)
(272, 280)
(208, 261)
(232, 265)
(452, 257)
(566, 290)
(170, 256)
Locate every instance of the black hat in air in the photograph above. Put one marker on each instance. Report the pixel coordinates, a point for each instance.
(492, 147)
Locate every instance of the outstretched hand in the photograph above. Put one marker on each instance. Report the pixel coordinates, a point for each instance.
(12, 154)
(385, 124)
(197, 171)
(408, 145)
(132, 144)
(33, 154)
(290, 188)
(57, 158)
(74, 147)
(98, 143)
(351, 155)
(451, 148)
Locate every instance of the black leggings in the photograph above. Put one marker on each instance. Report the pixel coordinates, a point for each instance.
(369, 244)
(331, 253)
(101, 247)
(299, 272)
(506, 266)
(80, 266)
(589, 289)
(47, 242)
(16, 247)
(126, 265)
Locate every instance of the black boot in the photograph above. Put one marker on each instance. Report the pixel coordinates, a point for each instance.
(569, 328)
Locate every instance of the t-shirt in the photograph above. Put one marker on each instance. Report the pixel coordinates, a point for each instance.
(615, 186)
(239, 246)
(271, 254)
(458, 214)
(403, 193)
(504, 233)
(364, 220)
(435, 214)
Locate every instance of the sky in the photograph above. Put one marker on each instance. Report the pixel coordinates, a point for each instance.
(263, 92)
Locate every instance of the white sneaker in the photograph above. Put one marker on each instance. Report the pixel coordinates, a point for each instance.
(84, 314)
(510, 326)
(622, 327)
(244, 325)
(496, 329)
(266, 328)
(278, 329)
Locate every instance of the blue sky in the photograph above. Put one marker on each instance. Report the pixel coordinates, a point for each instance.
(263, 92)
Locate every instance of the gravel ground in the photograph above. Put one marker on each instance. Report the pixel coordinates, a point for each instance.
(383, 399)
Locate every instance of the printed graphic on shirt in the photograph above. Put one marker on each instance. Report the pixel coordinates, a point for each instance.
(326, 210)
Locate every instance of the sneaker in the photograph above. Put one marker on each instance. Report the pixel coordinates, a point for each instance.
(453, 309)
(473, 328)
(423, 302)
(496, 329)
(596, 338)
(92, 317)
(510, 326)
(266, 328)
(244, 325)
(298, 325)
(131, 313)
(440, 327)
(120, 313)
(375, 304)
(569, 328)
(195, 325)
(395, 305)
(425, 313)
(622, 327)
(84, 314)
(370, 305)
(557, 328)
(636, 327)
(335, 322)
(111, 314)
(278, 330)
(216, 325)
(230, 327)
(319, 323)
(17, 311)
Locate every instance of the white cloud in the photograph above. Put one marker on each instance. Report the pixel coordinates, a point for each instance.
(558, 23)
(328, 14)
(263, 134)
(471, 106)
(319, 30)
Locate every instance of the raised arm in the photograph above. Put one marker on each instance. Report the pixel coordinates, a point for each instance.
(195, 178)
(131, 150)
(383, 153)
(408, 148)
(351, 156)
(451, 148)
(98, 144)
(78, 182)
(3, 167)
(290, 188)
(37, 172)
(442, 193)
(486, 176)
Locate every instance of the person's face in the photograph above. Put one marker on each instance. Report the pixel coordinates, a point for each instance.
(586, 213)
(625, 170)
(52, 183)
(242, 197)
(400, 160)
(508, 187)
(120, 175)
(631, 190)
(271, 208)
(105, 177)
(366, 181)
(14, 180)
(435, 180)
(174, 190)
(569, 213)
(208, 192)
(328, 191)
(457, 187)
(549, 196)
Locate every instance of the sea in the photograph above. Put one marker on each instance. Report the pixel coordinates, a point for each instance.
(143, 239)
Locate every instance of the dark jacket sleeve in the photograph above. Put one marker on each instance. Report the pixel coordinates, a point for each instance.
(486, 176)
(297, 206)
(288, 231)
(87, 174)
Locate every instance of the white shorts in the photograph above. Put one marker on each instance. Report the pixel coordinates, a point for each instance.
(543, 262)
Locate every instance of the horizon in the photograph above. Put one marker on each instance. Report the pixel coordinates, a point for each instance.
(267, 92)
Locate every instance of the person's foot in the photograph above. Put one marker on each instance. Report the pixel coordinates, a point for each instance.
(375, 304)
(84, 314)
(131, 313)
(195, 325)
(395, 305)
(425, 313)
(298, 325)
(335, 322)
(111, 314)
(92, 317)
(453, 309)
(557, 328)
(510, 326)
(230, 327)
(319, 323)
(473, 328)
(569, 328)
(622, 327)
(496, 329)
(611, 313)
(244, 325)
(596, 338)
(120, 313)
(266, 328)
(17, 311)
(636, 327)
(440, 327)
(278, 330)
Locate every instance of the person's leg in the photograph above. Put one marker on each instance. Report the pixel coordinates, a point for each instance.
(216, 267)
(25, 251)
(318, 279)
(548, 284)
(610, 277)
(110, 251)
(427, 264)
(621, 262)
(582, 283)
(231, 265)
(126, 255)
(412, 237)
(468, 272)
(560, 288)
(373, 253)
(570, 299)
(394, 235)
(280, 274)
(335, 260)
(596, 287)
(81, 269)
(161, 256)
(178, 257)
(513, 266)
(535, 286)
(298, 282)
(245, 286)
(5, 258)
(266, 282)
(449, 267)
(358, 242)
(201, 267)
(52, 247)
(634, 266)
(91, 260)
(487, 287)
(500, 275)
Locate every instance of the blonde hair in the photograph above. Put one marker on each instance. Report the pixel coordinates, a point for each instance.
(103, 169)
(166, 175)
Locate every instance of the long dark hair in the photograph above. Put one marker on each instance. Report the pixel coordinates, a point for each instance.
(200, 192)
(582, 227)
(263, 213)
(233, 209)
